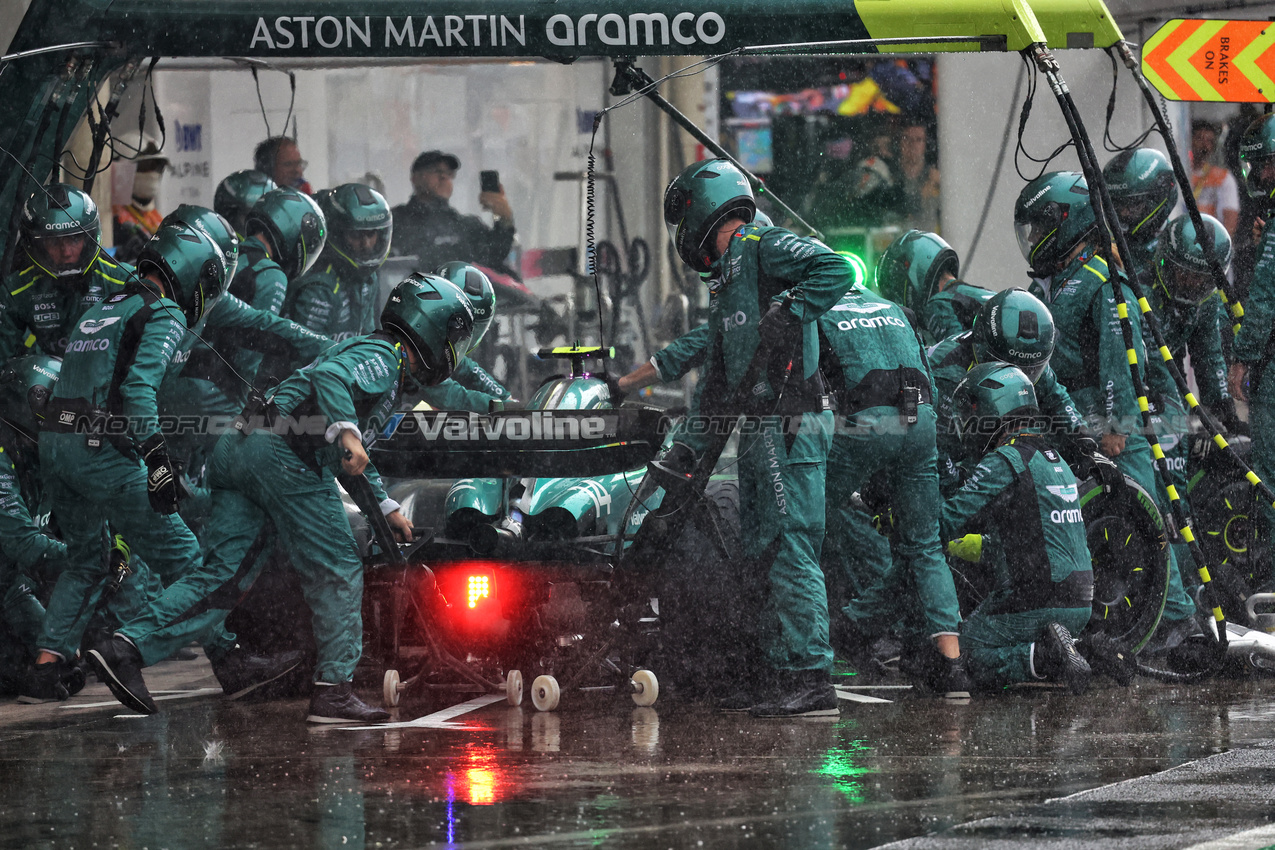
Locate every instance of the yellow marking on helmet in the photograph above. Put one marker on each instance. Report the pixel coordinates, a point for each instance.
(1143, 305)
(1132, 355)
(1227, 502)
(1173, 492)
(1127, 539)
(1122, 310)
(1187, 534)
(1157, 452)
(1252, 479)
(1041, 242)
(1128, 602)
(1220, 441)
(1190, 400)
(1165, 353)
(1143, 404)
(1137, 569)
(1106, 535)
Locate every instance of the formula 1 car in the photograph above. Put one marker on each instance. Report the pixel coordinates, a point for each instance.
(521, 582)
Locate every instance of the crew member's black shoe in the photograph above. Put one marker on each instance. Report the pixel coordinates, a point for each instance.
(751, 692)
(808, 694)
(55, 680)
(339, 704)
(1056, 658)
(241, 674)
(119, 665)
(952, 680)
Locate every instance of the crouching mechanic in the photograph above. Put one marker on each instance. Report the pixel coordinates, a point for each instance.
(29, 554)
(770, 287)
(280, 479)
(1012, 327)
(1022, 492)
(470, 387)
(876, 367)
(102, 455)
(920, 272)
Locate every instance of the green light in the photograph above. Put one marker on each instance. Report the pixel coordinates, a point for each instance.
(839, 766)
(860, 268)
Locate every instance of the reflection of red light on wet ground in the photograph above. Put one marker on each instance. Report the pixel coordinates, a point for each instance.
(478, 781)
(482, 786)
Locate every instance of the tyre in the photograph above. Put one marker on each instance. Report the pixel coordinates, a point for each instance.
(1129, 550)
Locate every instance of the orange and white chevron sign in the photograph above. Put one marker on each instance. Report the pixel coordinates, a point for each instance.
(1230, 61)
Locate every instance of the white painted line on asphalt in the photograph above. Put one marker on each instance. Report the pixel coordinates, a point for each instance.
(853, 697)
(1250, 839)
(439, 719)
(198, 692)
(874, 687)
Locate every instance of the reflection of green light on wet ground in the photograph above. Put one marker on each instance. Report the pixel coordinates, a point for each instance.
(840, 767)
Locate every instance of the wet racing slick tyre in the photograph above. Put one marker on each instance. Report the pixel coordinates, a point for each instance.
(1129, 550)
(1227, 524)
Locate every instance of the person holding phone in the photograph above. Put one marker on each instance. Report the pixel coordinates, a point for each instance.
(432, 229)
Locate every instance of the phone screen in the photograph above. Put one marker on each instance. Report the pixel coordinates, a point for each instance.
(489, 181)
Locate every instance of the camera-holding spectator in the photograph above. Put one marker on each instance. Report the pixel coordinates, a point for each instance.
(918, 180)
(429, 227)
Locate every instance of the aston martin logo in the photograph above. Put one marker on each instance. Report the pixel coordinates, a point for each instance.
(1066, 492)
(92, 326)
(861, 308)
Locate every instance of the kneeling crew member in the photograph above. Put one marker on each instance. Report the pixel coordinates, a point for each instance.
(1023, 493)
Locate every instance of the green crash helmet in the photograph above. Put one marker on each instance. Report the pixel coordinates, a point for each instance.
(215, 227)
(908, 272)
(1143, 192)
(1051, 217)
(190, 265)
(698, 200)
(295, 226)
(431, 316)
(26, 384)
(1181, 268)
(56, 220)
(239, 193)
(1014, 327)
(360, 225)
(1257, 160)
(477, 287)
(989, 398)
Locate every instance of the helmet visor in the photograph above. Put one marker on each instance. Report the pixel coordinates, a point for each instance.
(1030, 235)
(63, 256)
(367, 247)
(1189, 287)
(1135, 214)
(1259, 176)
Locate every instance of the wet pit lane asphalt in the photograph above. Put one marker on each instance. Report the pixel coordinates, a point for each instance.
(206, 772)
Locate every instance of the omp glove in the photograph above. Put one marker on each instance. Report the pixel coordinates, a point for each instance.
(967, 548)
(780, 330)
(161, 476)
(617, 394)
(884, 523)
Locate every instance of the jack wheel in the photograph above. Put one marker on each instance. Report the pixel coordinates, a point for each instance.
(646, 688)
(513, 687)
(391, 689)
(545, 693)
